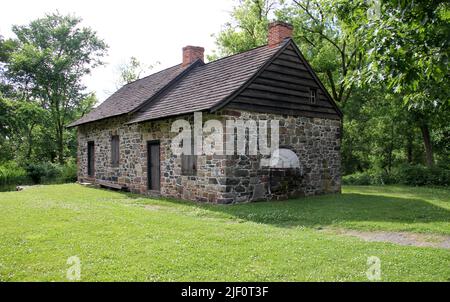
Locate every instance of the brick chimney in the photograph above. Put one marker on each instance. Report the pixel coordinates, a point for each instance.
(278, 32)
(191, 54)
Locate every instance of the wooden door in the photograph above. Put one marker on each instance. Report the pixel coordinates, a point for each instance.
(153, 160)
(91, 159)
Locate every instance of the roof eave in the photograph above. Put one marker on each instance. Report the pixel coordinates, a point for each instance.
(75, 124)
(164, 117)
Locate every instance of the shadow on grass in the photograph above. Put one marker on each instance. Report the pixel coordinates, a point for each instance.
(331, 209)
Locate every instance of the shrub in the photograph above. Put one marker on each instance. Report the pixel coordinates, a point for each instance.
(412, 175)
(369, 177)
(12, 174)
(418, 175)
(41, 172)
(69, 171)
(441, 176)
(359, 178)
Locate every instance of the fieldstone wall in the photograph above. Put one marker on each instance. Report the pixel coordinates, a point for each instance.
(132, 169)
(220, 178)
(315, 141)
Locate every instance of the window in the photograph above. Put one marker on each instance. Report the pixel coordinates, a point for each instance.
(312, 96)
(115, 150)
(189, 163)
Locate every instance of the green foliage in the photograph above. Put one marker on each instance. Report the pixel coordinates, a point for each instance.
(22, 122)
(326, 33)
(412, 175)
(6, 49)
(41, 91)
(68, 171)
(374, 57)
(45, 172)
(359, 178)
(12, 174)
(132, 71)
(410, 49)
(247, 30)
(39, 172)
(41, 88)
(370, 177)
(419, 175)
(52, 56)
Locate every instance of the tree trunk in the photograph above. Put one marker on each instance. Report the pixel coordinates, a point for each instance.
(61, 152)
(409, 146)
(427, 143)
(30, 142)
(409, 151)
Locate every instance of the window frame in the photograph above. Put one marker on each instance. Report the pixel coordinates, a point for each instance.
(313, 96)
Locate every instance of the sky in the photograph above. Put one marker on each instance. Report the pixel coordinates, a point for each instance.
(152, 31)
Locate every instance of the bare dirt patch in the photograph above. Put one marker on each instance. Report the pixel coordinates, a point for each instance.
(402, 238)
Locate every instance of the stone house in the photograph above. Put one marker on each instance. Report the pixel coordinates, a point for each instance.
(126, 142)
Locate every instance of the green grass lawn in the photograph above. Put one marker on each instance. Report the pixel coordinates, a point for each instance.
(128, 237)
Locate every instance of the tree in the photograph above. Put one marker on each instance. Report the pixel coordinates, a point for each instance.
(53, 55)
(247, 30)
(326, 33)
(385, 65)
(410, 52)
(132, 71)
(6, 49)
(18, 123)
(84, 107)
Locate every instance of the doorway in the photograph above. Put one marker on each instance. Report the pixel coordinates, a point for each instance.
(153, 165)
(91, 159)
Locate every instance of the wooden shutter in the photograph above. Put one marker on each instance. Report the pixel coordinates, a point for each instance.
(115, 150)
(189, 163)
(91, 158)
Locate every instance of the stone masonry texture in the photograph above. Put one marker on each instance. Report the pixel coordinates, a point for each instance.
(219, 178)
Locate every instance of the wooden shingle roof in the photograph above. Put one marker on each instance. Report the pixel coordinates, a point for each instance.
(205, 86)
(197, 87)
(132, 95)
